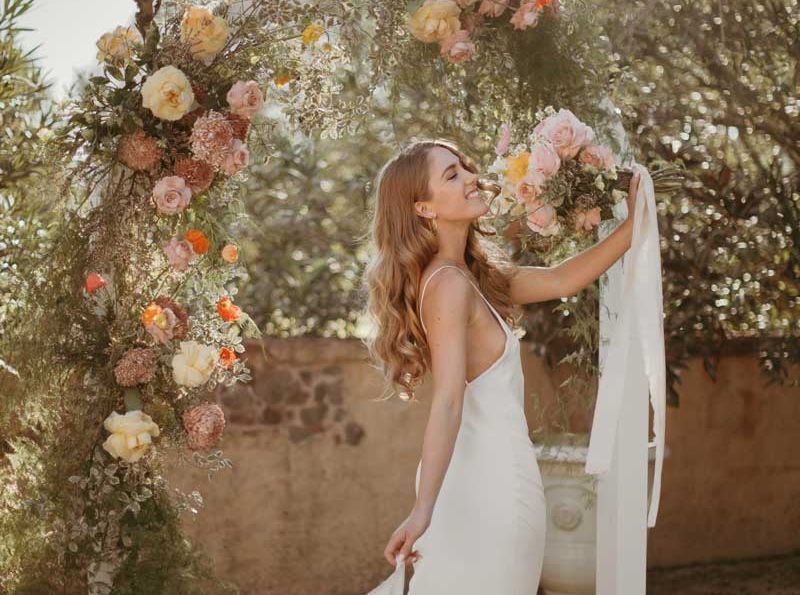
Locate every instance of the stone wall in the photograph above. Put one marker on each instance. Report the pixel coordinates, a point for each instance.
(324, 470)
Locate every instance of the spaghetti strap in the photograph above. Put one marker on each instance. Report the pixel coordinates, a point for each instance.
(444, 266)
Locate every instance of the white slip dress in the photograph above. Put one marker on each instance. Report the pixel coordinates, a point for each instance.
(487, 529)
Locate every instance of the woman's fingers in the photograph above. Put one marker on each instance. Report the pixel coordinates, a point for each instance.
(395, 543)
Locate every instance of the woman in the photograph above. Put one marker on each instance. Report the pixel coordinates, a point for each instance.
(442, 299)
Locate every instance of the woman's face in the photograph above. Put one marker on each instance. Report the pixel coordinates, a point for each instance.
(454, 194)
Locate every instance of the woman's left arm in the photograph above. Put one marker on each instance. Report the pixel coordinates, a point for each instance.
(539, 284)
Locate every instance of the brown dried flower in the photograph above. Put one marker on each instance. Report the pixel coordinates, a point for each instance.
(137, 366)
(139, 151)
(211, 138)
(241, 126)
(198, 174)
(204, 424)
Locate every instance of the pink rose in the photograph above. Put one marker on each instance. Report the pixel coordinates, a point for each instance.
(565, 132)
(598, 156)
(527, 15)
(530, 187)
(505, 139)
(457, 47)
(542, 218)
(162, 329)
(493, 8)
(179, 253)
(544, 159)
(245, 99)
(586, 220)
(237, 159)
(171, 195)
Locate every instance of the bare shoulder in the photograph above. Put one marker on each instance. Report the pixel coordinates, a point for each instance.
(447, 297)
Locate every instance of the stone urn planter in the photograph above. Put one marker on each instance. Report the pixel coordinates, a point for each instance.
(571, 494)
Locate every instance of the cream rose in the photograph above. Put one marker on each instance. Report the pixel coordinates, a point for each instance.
(131, 434)
(117, 45)
(435, 20)
(205, 33)
(194, 363)
(245, 98)
(167, 93)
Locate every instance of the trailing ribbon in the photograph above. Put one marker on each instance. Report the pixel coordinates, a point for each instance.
(395, 584)
(640, 308)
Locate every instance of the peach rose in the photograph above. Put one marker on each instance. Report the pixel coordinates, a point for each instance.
(203, 32)
(493, 8)
(230, 253)
(566, 132)
(237, 159)
(530, 187)
(179, 253)
(598, 156)
(171, 195)
(458, 47)
(117, 46)
(435, 20)
(542, 218)
(586, 220)
(544, 159)
(245, 98)
(527, 15)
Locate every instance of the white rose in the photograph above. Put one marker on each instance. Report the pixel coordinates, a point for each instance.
(131, 434)
(167, 93)
(194, 363)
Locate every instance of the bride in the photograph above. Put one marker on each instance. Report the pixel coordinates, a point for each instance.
(442, 299)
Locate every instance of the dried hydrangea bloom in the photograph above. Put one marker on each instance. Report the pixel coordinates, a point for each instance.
(198, 174)
(137, 366)
(204, 425)
(211, 138)
(241, 126)
(139, 151)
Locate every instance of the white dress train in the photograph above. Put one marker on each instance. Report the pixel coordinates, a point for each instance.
(487, 530)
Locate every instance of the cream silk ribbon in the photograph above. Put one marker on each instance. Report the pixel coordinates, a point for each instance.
(395, 584)
(640, 309)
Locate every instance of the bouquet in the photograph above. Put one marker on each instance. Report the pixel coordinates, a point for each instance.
(560, 178)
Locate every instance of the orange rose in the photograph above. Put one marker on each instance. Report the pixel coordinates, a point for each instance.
(230, 253)
(150, 314)
(227, 357)
(227, 310)
(198, 240)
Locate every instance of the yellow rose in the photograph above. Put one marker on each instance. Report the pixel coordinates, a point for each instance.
(205, 33)
(194, 363)
(167, 93)
(312, 33)
(117, 44)
(517, 167)
(435, 20)
(131, 435)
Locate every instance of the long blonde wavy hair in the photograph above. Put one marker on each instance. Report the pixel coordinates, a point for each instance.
(403, 244)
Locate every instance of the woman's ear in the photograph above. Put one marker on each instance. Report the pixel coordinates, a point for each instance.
(423, 210)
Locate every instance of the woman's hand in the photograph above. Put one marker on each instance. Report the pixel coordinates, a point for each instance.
(633, 189)
(403, 539)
